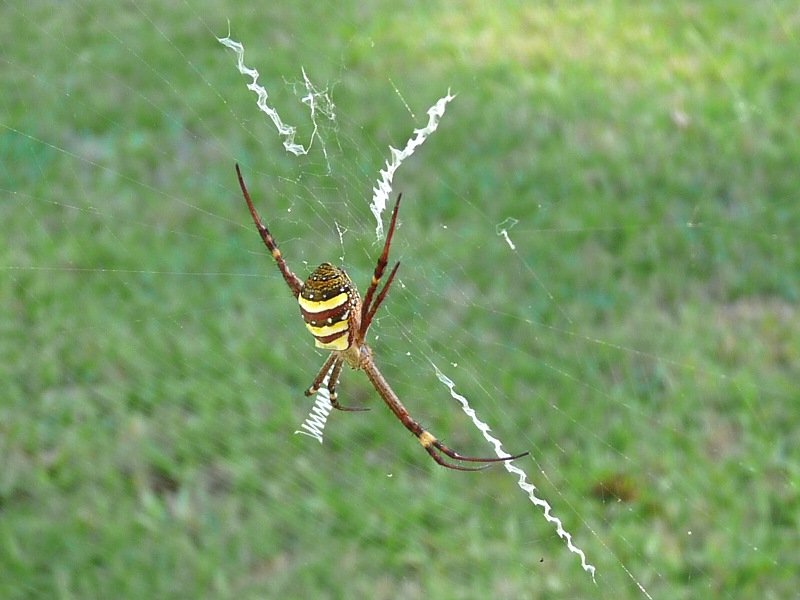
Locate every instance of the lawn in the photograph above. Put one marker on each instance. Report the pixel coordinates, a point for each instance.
(638, 331)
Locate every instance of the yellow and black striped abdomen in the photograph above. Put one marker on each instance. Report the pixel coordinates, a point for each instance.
(326, 302)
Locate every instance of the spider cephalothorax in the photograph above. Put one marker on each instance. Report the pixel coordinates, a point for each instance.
(337, 318)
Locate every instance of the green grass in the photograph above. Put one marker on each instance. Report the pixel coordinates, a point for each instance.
(643, 336)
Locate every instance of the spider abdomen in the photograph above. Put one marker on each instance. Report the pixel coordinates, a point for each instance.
(328, 303)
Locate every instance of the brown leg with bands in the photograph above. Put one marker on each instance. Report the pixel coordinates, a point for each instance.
(428, 441)
(333, 381)
(326, 366)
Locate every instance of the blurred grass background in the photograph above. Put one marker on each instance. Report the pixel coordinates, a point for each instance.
(641, 341)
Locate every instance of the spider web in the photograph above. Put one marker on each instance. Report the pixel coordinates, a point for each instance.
(597, 249)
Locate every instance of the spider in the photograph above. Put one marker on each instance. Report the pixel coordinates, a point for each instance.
(337, 318)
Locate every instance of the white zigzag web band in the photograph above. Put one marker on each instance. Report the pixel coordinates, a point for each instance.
(522, 482)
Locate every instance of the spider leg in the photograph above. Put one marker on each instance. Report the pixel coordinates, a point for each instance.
(326, 367)
(453, 466)
(380, 267)
(333, 365)
(293, 281)
(440, 446)
(333, 382)
(368, 321)
(426, 438)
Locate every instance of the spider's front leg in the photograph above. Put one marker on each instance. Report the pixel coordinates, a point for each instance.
(429, 443)
(333, 365)
(320, 378)
(425, 437)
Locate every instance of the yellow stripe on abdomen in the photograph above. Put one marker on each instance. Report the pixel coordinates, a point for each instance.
(326, 330)
(316, 306)
(341, 343)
